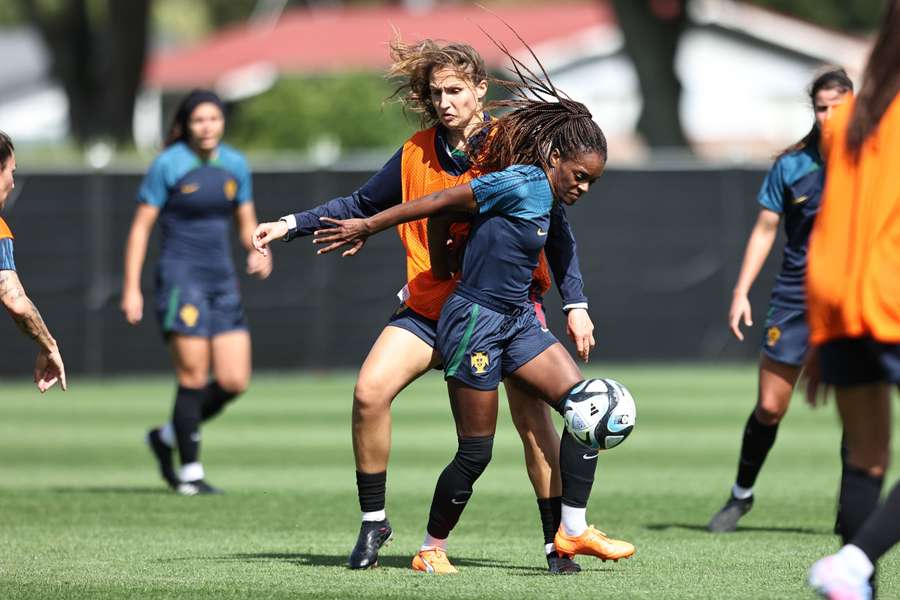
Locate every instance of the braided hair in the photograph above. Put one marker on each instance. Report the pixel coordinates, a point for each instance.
(542, 120)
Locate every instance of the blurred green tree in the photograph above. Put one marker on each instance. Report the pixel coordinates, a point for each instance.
(857, 16)
(348, 110)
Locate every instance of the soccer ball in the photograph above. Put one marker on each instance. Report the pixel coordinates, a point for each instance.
(599, 413)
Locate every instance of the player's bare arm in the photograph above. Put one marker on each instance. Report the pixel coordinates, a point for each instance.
(23, 311)
(49, 367)
(135, 252)
(354, 232)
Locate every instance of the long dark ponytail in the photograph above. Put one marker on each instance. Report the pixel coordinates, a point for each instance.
(832, 78)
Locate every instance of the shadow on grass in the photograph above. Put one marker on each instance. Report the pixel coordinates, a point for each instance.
(740, 529)
(112, 489)
(304, 559)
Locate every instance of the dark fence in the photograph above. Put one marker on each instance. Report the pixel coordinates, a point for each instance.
(660, 250)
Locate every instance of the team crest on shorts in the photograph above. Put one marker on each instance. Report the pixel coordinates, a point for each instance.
(772, 336)
(480, 362)
(230, 189)
(189, 314)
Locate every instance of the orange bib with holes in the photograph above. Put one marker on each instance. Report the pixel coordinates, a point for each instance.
(422, 174)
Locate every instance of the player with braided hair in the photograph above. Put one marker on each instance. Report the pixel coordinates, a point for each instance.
(444, 83)
(547, 150)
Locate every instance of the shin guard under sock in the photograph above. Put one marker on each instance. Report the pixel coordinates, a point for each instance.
(577, 464)
(454, 486)
(859, 498)
(214, 400)
(186, 421)
(758, 440)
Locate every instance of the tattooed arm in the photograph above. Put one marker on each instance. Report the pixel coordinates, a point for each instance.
(49, 367)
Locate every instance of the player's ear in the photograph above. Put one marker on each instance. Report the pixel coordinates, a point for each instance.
(554, 158)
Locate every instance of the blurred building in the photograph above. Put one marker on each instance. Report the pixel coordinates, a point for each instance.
(743, 69)
(33, 107)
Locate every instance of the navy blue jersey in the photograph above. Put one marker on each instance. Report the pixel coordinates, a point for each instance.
(508, 233)
(385, 189)
(793, 189)
(197, 201)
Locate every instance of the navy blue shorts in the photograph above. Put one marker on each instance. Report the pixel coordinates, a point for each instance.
(422, 327)
(188, 307)
(786, 338)
(481, 346)
(858, 361)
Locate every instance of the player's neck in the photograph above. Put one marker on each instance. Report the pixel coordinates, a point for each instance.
(205, 155)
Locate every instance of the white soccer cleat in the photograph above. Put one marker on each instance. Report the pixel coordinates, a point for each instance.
(832, 579)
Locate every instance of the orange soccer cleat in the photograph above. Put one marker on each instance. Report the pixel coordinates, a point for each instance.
(433, 560)
(592, 543)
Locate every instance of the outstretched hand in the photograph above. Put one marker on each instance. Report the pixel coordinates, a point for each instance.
(266, 233)
(347, 232)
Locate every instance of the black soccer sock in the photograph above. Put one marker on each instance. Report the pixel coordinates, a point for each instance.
(371, 490)
(577, 464)
(859, 498)
(214, 400)
(186, 421)
(551, 515)
(837, 515)
(454, 486)
(882, 530)
(758, 440)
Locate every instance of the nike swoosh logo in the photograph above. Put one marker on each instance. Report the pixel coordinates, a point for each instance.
(455, 501)
(541, 232)
(189, 188)
(799, 200)
(590, 456)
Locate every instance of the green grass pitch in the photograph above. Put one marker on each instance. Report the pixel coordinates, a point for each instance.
(84, 515)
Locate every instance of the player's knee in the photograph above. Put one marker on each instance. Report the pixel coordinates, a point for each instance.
(473, 455)
(770, 410)
(369, 400)
(192, 378)
(234, 384)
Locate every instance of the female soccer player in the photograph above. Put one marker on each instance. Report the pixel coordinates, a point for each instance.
(542, 153)
(446, 84)
(854, 309)
(48, 368)
(195, 187)
(790, 193)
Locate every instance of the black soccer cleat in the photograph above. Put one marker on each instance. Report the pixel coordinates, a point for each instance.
(163, 456)
(196, 488)
(726, 519)
(561, 565)
(372, 536)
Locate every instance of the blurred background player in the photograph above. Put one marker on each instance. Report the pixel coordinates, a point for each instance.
(195, 187)
(854, 309)
(446, 84)
(541, 153)
(48, 368)
(790, 193)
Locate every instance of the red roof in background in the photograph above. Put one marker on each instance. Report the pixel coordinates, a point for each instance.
(323, 39)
